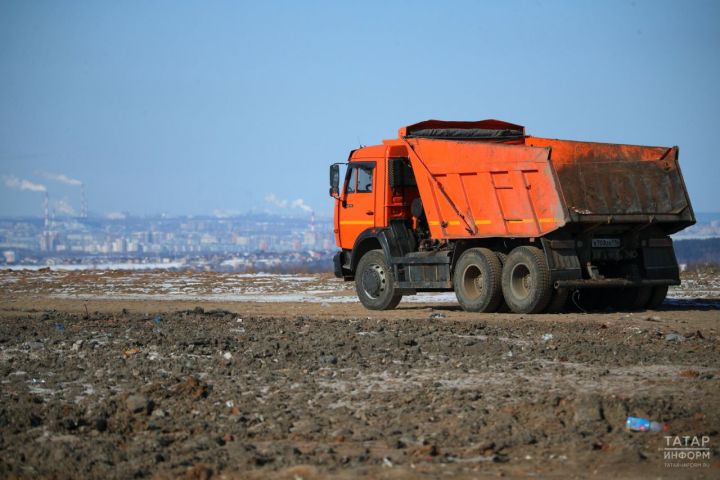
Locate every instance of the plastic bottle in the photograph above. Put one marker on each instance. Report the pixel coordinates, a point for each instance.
(638, 424)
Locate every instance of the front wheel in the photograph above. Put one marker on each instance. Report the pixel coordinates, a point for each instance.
(375, 283)
(526, 281)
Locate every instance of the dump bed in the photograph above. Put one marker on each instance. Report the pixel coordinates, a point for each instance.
(487, 179)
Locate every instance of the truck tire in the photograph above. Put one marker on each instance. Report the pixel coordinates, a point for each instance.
(629, 298)
(657, 297)
(526, 280)
(476, 280)
(594, 299)
(375, 282)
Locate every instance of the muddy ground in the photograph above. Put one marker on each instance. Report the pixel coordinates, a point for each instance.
(103, 381)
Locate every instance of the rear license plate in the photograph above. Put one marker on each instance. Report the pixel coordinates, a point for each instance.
(606, 242)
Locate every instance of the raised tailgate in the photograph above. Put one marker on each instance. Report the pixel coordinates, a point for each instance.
(614, 183)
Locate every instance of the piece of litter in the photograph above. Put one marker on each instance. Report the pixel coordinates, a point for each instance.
(674, 337)
(130, 352)
(227, 355)
(638, 424)
(229, 404)
(547, 337)
(387, 463)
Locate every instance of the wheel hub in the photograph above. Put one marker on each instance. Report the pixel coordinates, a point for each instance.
(521, 281)
(373, 280)
(473, 281)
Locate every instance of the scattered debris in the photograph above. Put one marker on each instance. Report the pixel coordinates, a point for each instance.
(159, 413)
(638, 424)
(698, 334)
(331, 359)
(193, 388)
(131, 351)
(139, 403)
(674, 337)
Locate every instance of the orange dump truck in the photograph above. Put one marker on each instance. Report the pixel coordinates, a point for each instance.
(507, 220)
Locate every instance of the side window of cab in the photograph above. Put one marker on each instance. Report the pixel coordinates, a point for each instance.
(359, 178)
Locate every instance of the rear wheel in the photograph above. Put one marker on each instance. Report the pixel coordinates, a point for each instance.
(375, 282)
(476, 280)
(657, 297)
(526, 280)
(630, 298)
(593, 299)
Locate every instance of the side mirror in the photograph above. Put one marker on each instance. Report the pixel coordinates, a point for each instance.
(334, 180)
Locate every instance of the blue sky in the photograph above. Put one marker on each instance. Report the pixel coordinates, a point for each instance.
(197, 107)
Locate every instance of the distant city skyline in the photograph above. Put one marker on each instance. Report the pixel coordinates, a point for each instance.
(193, 108)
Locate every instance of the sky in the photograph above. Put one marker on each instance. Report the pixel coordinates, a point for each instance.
(182, 107)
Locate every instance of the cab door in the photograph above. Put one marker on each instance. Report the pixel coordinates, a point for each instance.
(357, 205)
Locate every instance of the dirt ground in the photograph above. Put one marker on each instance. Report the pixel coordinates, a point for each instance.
(202, 375)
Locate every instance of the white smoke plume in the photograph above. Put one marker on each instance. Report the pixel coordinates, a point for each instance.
(63, 207)
(300, 203)
(282, 203)
(11, 181)
(61, 177)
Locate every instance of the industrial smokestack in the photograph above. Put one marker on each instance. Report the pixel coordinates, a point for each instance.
(46, 207)
(46, 236)
(83, 202)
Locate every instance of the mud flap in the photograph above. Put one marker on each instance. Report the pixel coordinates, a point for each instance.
(562, 259)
